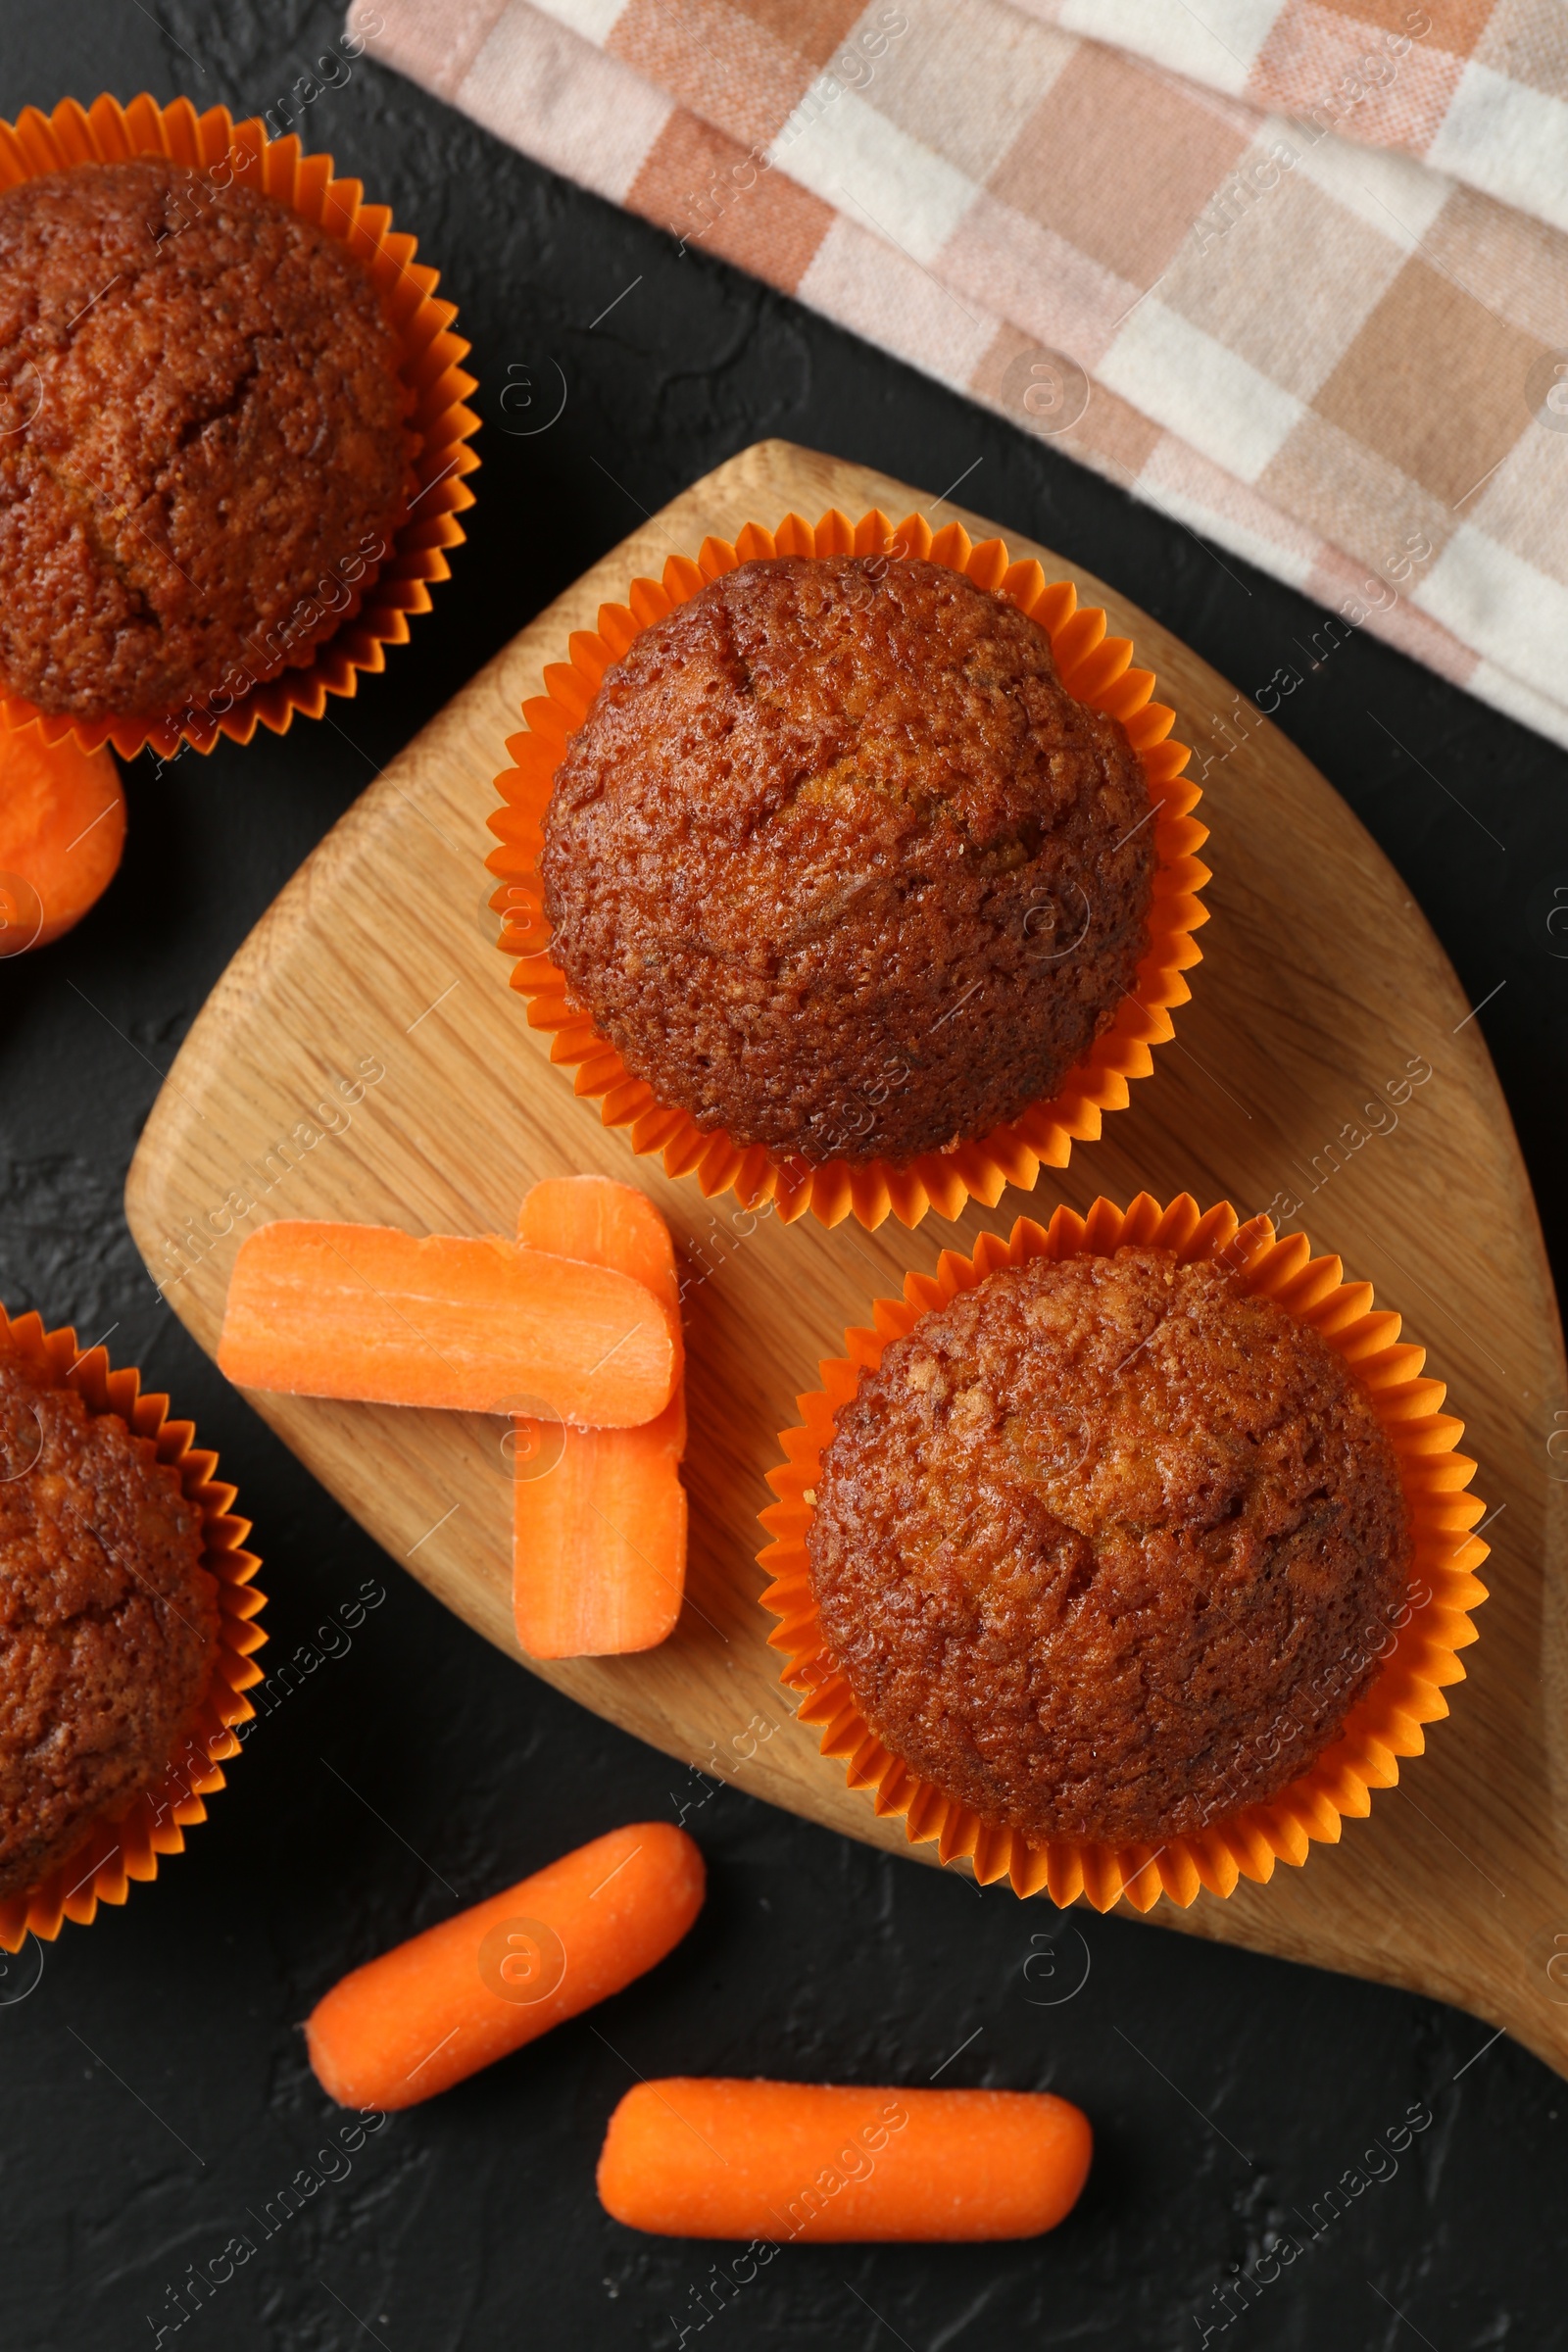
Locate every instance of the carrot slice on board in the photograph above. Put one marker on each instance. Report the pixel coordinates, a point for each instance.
(62, 831)
(437, 2008)
(604, 1224)
(775, 2161)
(366, 1311)
(598, 1534)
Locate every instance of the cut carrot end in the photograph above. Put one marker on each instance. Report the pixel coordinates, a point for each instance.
(600, 1515)
(370, 1313)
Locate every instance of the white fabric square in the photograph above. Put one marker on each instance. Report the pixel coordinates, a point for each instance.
(1216, 42)
(1505, 692)
(1509, 139)
(1514, 615)
(856, 159)
(591, 19)
(1192, 385)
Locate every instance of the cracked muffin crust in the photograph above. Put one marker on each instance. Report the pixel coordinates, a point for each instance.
(1108, 1548)
(108, 1620)
(837, 863)
(203, 448)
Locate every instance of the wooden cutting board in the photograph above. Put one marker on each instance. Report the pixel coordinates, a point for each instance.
(363, 1057)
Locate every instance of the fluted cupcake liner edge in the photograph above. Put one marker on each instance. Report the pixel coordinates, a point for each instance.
(129, 1845)
(1386, 1724)
(106, 132)
(1096, 668)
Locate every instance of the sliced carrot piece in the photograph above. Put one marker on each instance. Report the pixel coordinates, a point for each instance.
(604, 1224)
(607, 1224)
(366, 1311)
(599, 1538)
(62, 832)
(598, 1544)
(437, 2008)
(692, 2158)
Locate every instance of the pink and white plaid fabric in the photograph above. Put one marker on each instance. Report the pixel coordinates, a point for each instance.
(1221, 266)
(1481, 94)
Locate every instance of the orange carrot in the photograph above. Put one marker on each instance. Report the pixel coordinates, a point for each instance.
(604, 1224)
(775, 2161)
(599, 1538)
(366, 1311)
(62, 831)
(467, 1992)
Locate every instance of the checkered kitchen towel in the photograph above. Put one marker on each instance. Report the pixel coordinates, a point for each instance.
(1481, 92)
(1284, 329)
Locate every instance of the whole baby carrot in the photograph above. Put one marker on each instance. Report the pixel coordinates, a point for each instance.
(62, 831)
(464, 1993)
(776, 2161)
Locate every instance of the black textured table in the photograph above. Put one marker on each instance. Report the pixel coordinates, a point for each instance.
(156, 2098)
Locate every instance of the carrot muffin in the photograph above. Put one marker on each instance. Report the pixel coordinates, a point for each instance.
(837, 863)
(203, 448)
(1108, 1548)
(107, 1621)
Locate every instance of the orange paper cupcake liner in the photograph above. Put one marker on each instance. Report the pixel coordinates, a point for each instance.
(127, 1845)
(108, 132)
(1384, 1725)
(1096, 668)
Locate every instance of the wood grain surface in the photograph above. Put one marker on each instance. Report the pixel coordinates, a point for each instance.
(363, 1057)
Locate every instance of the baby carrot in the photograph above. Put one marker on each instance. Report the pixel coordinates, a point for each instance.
(599, 1538)
(776, 2161)
(467, 1992)
(598, 1544)
(62, 831)
(321, 1309)
(604, 1223)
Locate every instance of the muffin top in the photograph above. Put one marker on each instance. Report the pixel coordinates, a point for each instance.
(203, 453)
(108, 1620)
(837, 863)
(1106, 1548)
